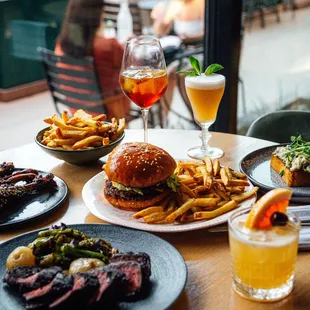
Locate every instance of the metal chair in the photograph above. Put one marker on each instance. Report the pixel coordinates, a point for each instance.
(74, 83)
(281, 125)
(253, 6)
(63, 79)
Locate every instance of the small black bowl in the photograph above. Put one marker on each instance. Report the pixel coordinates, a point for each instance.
(78, 157)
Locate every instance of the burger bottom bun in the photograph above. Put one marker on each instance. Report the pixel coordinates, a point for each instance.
(135, 205)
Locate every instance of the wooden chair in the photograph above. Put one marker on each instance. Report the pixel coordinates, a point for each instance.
(281, 125)
(110, 12)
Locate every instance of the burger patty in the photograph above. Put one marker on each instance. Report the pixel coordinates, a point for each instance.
(148, 192)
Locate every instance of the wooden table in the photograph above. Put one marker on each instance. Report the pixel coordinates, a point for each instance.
(206, 254)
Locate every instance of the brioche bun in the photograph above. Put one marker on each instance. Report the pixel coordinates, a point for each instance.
(143, 169)
(138, 164)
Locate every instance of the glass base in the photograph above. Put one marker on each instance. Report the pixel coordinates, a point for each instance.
(200, 153)
(263, 295)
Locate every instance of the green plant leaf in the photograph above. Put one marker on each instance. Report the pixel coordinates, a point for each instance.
(195, 64)
(281, 173)
(213, 68)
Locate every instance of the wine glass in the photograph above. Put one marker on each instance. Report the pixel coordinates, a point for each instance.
(205, 93)
(143, 76)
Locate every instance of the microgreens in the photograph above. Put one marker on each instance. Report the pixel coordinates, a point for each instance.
(197, 68)
(298, 147)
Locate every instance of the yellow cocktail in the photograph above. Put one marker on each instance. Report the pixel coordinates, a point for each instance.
(263, 261)
(205, 93)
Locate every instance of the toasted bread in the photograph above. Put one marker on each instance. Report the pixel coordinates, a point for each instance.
(292, 179)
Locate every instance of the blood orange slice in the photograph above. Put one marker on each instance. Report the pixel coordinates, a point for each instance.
(274, 201)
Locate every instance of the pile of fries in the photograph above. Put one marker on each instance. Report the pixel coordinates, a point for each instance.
(82, 131)
(206, 190)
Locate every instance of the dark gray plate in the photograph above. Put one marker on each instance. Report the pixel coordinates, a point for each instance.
(168, 267)
(256, 166)
(36, 206)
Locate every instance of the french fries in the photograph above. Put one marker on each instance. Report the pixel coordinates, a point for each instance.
(81, 131)
(206, 190)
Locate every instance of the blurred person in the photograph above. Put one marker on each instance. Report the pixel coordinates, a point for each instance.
(184, 17)
(81, 36)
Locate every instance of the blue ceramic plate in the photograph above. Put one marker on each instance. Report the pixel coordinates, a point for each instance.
(256, 166)
(168, 267)
(35, 206)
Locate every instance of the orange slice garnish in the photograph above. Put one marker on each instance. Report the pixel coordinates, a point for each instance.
(260, 215)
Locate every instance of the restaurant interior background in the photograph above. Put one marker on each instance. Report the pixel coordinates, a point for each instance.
(273, 73)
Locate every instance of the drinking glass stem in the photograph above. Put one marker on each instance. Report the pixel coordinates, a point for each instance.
(205, 136)
(145, 113)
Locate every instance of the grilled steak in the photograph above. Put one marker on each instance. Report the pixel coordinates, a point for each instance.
(36, 280)
(61, 284)
(78, 297)
(133, 272)
(112, 286)
(20, 272)
(142, 258)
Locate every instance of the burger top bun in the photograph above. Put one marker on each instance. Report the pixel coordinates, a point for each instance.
(139, 164)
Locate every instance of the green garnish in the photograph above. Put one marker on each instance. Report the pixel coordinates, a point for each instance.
(298, 147)
(281, 173)
(197, 68)
(173, 183)
(296, 155)
(122, 187)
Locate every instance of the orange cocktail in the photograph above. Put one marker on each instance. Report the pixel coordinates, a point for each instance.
(263, 246)
(205, 93)
(144, 86)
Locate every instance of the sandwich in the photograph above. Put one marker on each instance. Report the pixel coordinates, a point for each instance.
(292, 162)
(139, 175)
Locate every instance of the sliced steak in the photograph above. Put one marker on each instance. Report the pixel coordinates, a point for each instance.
(61, 284)
(140, 257)
(11, 276)
(112, 286)
(37, 280)
(78, 297)
(133, 272)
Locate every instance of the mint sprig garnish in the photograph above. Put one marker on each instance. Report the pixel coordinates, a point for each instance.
(213, 68)
(197, 68)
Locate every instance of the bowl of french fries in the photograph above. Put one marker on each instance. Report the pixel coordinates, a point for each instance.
(82, 138)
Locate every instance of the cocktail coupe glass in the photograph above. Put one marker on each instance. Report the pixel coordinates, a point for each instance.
(263, 261)
(143, 76)
(205, 93)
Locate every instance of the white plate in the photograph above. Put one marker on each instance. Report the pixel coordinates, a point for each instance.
(94, 199)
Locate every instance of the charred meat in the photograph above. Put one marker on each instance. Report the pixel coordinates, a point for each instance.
(34, 281)
(11, 276)
(78, 297)
(6, 169)
(44, 295)
(11, 193)
(133, 273)
(112, 286)
(142, 258)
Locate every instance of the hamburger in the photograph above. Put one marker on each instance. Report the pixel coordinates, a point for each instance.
(139, 175)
